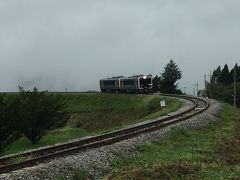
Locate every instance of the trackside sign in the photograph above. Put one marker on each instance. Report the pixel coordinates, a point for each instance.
(162, 103)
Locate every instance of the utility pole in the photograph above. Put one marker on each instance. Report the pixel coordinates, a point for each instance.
(235, 87)
(197, 88)
(210, 78)
(185, 90)
(205, 83)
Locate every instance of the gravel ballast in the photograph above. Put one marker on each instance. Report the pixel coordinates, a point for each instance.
(97, 161)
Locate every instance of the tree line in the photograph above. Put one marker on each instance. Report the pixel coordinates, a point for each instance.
(221, 85)
(30, 113)
(225, 76)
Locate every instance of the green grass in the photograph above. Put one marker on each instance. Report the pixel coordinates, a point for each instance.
(77, 175)
(101, 112)
(216, 139)
(172, 105)
(18, 159)
(96, 113)
(80, 175)
(53, 137)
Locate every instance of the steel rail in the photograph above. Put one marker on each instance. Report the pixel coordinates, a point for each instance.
(100, 140)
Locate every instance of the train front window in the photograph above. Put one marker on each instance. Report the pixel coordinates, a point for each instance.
(145, 82)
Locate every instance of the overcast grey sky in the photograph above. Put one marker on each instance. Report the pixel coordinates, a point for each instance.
(54, 44)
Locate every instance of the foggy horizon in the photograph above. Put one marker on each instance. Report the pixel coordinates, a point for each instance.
(54, 45)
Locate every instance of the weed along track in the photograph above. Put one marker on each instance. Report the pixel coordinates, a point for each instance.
(18, 161)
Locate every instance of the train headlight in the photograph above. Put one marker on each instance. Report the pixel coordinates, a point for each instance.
(144, 77)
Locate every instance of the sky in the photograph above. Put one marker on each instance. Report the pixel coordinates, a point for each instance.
(59, 44)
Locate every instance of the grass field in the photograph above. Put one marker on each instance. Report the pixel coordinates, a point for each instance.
(97, 112)
(94, 113)
(216, 155)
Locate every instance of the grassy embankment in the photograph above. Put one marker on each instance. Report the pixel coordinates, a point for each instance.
(94, 113)
(210, 153)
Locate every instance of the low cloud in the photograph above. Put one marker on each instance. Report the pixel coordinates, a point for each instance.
(56, 44)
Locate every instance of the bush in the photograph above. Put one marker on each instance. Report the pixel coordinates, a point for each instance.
(224, 92)
(41, 112)
(9, 112)
(153, 106)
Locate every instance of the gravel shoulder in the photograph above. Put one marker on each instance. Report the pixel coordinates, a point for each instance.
(97, 161)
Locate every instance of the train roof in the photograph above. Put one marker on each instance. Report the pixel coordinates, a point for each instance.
(105, 79)
(131, 77)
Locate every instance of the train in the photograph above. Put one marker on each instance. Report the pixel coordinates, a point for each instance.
(134, 84)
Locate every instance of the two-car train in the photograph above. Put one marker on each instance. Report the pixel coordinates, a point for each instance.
(133, 84)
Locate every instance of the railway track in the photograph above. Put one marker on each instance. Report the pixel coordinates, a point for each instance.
(27, 159)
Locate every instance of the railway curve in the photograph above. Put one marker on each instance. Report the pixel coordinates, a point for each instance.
(37, 156)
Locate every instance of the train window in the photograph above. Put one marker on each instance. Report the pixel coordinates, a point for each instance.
(109, 83)
(128, 82)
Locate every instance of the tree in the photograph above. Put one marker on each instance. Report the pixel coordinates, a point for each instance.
(156, 84)
(225, 77)
(216, 74)
(237, 73)
(41, 112)
(223, 89)
(9, 112)
(170, 76)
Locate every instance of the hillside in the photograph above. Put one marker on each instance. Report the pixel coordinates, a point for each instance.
(95, 113)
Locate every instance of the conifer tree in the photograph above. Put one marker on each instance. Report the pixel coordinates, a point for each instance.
(170, 76)
(225, 77)
(216, 74)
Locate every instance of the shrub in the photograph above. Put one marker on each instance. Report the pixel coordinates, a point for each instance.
(41, 112)
(9, 113)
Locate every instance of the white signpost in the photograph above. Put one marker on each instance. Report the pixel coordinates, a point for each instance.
(162, 103)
